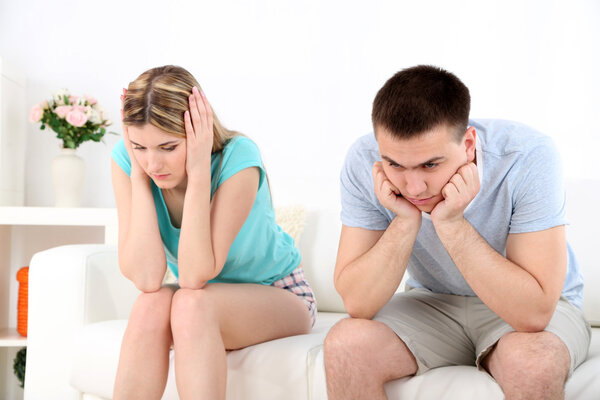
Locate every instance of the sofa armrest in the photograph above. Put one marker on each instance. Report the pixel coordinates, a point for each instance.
(69, 287)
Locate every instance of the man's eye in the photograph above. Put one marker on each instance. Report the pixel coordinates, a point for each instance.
(429, 165)
(394, 165)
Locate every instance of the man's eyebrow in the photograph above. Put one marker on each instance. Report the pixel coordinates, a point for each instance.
(430, 161)
(160, 145)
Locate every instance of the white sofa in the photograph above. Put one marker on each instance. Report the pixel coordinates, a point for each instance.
(79, 303)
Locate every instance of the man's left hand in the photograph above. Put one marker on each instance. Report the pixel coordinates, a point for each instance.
(460, 190)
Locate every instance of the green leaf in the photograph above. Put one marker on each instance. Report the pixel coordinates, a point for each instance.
(19, 365)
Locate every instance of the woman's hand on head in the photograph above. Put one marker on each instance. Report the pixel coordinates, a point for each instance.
(136, 170)
(199, 135)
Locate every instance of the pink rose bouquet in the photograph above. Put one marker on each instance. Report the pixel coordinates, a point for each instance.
(74, 119)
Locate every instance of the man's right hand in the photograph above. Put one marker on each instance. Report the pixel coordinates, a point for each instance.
(389, 196)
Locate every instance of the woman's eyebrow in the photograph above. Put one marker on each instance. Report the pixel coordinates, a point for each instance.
(160, 145)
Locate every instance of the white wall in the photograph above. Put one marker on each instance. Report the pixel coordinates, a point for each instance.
(299, 76)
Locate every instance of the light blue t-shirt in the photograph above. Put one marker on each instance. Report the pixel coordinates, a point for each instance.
(522, 190)
(261, 252)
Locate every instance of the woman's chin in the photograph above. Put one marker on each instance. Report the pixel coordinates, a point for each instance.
(163, 184)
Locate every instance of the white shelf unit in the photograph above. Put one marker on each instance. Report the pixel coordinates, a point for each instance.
(23, 232)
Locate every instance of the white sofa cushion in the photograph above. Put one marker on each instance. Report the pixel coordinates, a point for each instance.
(278, 369)
(292, 368)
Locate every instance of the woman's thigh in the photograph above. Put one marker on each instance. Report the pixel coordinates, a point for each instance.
(251, 313)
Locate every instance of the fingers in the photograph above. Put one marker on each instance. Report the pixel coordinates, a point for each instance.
(201, 112)
(465, 183)
(189, 128)
(196, 118)
(466, 180)
(381, 182)
(208, 109)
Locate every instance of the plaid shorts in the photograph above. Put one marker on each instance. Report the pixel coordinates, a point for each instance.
(296, 284)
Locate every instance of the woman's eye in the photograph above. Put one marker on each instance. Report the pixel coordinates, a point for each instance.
(138, 148)
(169, 148)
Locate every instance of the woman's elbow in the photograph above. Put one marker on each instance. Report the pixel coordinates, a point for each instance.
(148, 287)
(193, 284)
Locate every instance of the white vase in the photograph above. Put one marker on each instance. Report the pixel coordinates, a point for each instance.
(68, 172)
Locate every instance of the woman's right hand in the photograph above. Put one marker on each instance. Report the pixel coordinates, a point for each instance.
(137, 172)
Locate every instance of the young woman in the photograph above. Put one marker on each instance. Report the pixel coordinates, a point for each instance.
(193, 196)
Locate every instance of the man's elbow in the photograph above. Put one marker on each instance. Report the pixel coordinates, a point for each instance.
(357, 310)
(534, 323)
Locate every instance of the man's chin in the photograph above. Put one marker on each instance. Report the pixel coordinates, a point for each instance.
(428, 208)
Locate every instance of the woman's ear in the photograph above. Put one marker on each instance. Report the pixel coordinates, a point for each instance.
(469, 141)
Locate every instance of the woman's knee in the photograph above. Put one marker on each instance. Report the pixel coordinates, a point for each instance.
(151, 311)
(192, 309)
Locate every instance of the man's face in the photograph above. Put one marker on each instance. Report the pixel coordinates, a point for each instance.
(421, 166)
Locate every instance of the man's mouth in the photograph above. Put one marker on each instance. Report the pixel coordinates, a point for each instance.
(419, 202)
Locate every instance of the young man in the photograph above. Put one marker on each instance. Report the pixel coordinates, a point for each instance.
(474, 211)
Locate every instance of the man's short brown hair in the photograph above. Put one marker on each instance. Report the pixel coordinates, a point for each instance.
(418, 99)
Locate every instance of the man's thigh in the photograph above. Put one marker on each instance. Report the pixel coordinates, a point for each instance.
(568, 323)
(431, 326)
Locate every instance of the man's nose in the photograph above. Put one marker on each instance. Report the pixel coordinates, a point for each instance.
(415, 184)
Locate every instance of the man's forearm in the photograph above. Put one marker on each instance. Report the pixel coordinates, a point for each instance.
(369, 282)
(505, 287)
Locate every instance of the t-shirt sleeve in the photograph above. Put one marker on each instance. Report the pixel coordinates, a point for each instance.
(359, 203)
(119, 154)
(239, 154)
(539, 197)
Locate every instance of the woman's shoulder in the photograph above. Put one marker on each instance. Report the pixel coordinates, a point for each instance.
(241, 146)
(119, 154)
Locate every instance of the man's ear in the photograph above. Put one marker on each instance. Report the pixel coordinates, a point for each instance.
(469, 143)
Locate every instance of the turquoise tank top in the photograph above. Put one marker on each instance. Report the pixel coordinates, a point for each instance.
(261, 252)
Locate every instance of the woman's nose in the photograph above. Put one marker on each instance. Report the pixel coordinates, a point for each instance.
(155, 163)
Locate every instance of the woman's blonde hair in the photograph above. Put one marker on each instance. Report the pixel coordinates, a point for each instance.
(160, 96)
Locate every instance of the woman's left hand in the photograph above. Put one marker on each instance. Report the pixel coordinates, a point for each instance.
(199, 134)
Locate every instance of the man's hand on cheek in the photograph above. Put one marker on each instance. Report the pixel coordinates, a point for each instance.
(389, 196)
(460, 190)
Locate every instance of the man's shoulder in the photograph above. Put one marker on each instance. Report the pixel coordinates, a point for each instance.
(360, 158)
(502, 137)
(364, 143)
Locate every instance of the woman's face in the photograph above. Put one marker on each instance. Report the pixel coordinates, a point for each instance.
(160, 154)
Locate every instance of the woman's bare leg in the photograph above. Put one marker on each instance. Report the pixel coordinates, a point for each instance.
(221, 316)
(144, 359)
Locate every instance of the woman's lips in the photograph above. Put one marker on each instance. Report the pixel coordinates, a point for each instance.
(160, 176)
(419, 202)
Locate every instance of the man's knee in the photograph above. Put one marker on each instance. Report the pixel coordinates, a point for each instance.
(368, 346)
(346, 338)
(539, 359)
